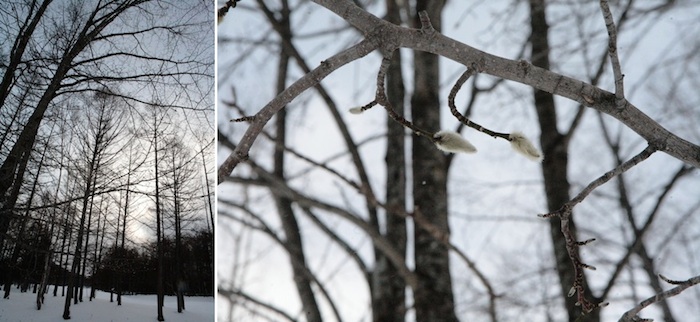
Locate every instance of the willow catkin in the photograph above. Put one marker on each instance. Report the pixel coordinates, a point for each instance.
(523, 146)
(452, 142)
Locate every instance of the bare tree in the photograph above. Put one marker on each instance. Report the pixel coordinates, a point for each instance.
(97, 138)
(88, 44)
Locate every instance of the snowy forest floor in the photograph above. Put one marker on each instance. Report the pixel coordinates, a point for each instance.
(21, 307)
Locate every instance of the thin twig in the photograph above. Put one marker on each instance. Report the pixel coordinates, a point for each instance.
(572, 245)
(281, 100)
(612, 50)
(631, 315)
(464, 120)
(281, 188)
(566, 209)
(383, 101)
(296, 261)
(233, 293)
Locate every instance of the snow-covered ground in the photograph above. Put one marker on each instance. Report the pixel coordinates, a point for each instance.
(21, 307)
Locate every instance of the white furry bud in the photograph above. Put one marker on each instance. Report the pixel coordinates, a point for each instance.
(452, 142)
(356, 110)
(523, 146)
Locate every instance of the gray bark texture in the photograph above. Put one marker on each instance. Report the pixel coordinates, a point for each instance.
(388, 288)
(433, 298)
(555, 164)
(287, 215)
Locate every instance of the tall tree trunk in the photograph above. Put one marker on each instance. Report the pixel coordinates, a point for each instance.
(99, 242)
(19, 241)
(78, 255)
(179, 280)
(294, 244)
(123, 232)
(434, 300)
(19, 46)
(54, 214)
(208, 195)
(49, 250)
(83, 265)
(555, 163)
(43, 288)
(210, 262)
(44, 279)
(388, 289)
(159, 240)
(13, 168)
(68, 226)
(8, 204)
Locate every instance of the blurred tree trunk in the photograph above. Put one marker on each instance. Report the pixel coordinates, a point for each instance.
(288, 219)
(554, 166)
(434, 300)
(388, 288)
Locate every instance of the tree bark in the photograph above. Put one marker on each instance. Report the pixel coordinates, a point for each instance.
(388, 288)
(433, 298)
(554, 165)
(294, 245)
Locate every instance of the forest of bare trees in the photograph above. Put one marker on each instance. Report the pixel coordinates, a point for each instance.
(107, 156)
(336, 201)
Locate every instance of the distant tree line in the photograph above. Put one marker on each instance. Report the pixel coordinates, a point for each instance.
(134, 268)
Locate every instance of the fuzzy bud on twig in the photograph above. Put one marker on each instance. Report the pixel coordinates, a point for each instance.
(452, 142)
(356, 110)
(523, 146)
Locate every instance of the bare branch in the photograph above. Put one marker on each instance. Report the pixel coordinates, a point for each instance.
(522, 72)
(382, 100)
(565, 210)
(612, 51)
(265, 228)
(572, 245)
(307, 81)
(631, 315)
(382, 34)
(232, 294)
(281, 188)
(451, 102)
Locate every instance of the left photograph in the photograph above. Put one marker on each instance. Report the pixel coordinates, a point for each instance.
(107, 163)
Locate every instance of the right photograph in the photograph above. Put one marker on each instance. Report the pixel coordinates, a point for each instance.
(426, 160)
